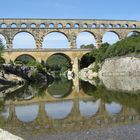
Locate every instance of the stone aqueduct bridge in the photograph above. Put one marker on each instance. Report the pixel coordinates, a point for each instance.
(39, 28)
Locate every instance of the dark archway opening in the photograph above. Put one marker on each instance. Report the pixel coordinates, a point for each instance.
(59, 63)
(24, 59)
(86, 60)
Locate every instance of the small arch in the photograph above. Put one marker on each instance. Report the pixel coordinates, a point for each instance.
(68, 25)
(134, 26)
(76, 25)
(3, 25)
(59, 25)
(94, 25)
(113, 108)
(51, 25)
(110, 26)
(58, 110)
(42, 25)
(33, 25)
(89, 108)
(24, 58)
(110, 37)
(126, 26)
(23, 25)
(102, 26)
(27, 113)
(13, 25)
(118, 26)
(85, 25)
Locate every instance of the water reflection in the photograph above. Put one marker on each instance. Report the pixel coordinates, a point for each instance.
(32, 106)
(27, 113)
(113, 108)
(58, 110)
(89, 108)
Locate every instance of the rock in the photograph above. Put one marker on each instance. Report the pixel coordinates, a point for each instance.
(5, 135)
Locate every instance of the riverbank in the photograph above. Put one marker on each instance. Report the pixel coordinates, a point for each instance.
(129, 132)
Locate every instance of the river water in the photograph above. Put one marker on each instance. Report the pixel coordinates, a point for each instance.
(67, 106)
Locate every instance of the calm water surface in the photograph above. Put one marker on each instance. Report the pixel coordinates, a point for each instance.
(65, 106)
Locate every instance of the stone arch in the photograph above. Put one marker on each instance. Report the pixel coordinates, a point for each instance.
(23, 25)
(59, 110)
(27, 113)
(51, 25)
(55, 39)
(33, 25)
(59, 25)
(110, 37)
(110, 26)
(63, 60)
(113, 108)
(89, 108)
(24, 39)
(42, 25)
(94, 25)
(102, 25)
(126, 26)
(118, 25)
(24, 58)
(76, 25)
(85, 38)
(3, 25)
(133, 33)
(85, 25)
(68, 25)
(3, 39)
(13, 25)
(134, 26)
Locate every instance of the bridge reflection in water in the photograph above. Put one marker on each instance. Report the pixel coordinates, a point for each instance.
(77, 110)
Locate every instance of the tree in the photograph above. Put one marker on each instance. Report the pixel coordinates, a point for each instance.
(1, 51)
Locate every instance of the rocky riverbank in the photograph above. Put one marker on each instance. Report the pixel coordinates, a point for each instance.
(119, 73)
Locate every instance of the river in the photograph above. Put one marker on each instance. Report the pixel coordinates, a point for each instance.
(64, 107)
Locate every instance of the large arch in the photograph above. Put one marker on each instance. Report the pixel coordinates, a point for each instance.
(59, 60)
(25, 58)
(85, 38)
(59, 110)
(24, 39)
(133, 33)
(110, 37)
(27, 113)
(3, 40)
(55, 39)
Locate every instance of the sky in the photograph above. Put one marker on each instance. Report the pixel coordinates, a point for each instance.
(72, 9)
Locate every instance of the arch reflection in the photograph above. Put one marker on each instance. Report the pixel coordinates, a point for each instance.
(113, 108)
(89, 108)
(58, 110)
(27, 113)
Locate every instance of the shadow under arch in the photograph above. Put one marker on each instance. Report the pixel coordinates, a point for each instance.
(55, 37)
(26, 38)
(86, 60)
(25, 58)
(60, 61)
(27, 113)
(59, 110)
(60, 88)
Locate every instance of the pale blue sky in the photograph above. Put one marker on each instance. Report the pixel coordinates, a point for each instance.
(100, 9)
(86, 9)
